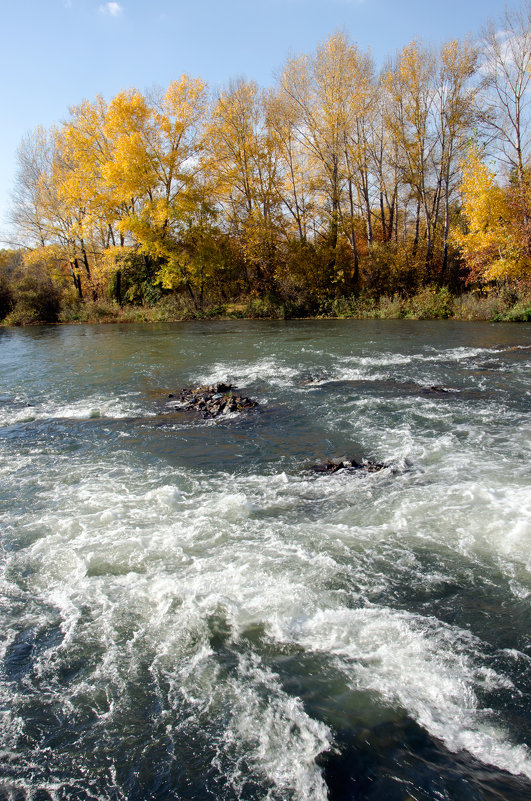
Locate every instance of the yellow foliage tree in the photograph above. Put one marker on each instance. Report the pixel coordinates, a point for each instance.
(242, 164)
(493, 243)
(156, 146)
(330, 95)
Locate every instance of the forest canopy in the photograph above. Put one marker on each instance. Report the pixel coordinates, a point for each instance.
(336, 181)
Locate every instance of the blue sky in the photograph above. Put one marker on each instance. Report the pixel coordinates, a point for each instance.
(55, 53)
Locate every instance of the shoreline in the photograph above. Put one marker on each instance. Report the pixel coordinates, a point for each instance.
(132, 320)
(430, 304)
(148, 319)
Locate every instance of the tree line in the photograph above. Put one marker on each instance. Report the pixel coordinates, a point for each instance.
(338, 180)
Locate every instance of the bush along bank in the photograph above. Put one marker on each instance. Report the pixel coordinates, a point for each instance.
(35, 300)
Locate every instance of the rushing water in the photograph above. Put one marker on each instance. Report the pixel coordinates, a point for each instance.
(189, 613)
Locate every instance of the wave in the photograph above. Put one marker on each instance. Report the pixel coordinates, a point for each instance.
(421, 665)
(352, 367)
(18, 411)
(139, 567)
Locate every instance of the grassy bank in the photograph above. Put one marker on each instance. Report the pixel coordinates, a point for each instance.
(505, 305)
(430, 304)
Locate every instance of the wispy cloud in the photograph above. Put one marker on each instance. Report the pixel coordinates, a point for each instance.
(324, 2)
(114, 9)
(506, 52)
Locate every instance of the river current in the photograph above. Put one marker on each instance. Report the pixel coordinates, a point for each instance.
(189, 612)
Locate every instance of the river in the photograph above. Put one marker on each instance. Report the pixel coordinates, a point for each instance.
(189, 612)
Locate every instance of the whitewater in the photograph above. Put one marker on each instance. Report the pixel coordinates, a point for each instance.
(189, 611)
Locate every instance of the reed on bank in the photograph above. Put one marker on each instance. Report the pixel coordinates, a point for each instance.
(431, 303)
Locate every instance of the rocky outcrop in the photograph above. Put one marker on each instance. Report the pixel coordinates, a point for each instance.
(333, 465)
(212, 400)
(215, 400)
(435, 390)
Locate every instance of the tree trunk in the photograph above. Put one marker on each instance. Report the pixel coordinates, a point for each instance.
(335, 213)
(382, 217)
(356, 276)
(417, 227)
(74, 270)
(118, 287)
(444, 266)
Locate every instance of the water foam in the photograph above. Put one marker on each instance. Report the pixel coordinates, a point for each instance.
(19, 412)
(143, 584)
(420, 665)
(162, 559)
(272, 370)
(352, 367)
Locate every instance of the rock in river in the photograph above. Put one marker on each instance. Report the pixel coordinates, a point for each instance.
(213, 400)
(333, 465)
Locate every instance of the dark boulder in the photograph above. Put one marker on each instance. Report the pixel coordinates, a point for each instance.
(334, 465)
(435, 390)
(213, 400)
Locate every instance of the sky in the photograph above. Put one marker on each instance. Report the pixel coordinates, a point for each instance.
(56, 53)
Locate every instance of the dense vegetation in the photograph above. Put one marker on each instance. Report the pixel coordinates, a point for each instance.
(337, 191)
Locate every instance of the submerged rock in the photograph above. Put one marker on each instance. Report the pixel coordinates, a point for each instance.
(213, 400)
(308, 380)
(435, 390)
(333, 465)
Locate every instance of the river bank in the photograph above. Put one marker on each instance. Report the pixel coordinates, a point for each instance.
(503, 305)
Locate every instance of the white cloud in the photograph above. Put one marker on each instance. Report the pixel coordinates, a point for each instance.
(325, 2)
(114, 9)
(506, 52)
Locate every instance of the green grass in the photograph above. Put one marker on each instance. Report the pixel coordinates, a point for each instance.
(431, 303)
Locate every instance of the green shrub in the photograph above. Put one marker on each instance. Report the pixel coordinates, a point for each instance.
(431, 303)
(472, 306)
(390, 308)
(519, 313)
(36, 300)
(6, 297)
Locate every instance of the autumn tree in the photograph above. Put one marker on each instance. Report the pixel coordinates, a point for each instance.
(39, 214)
(456, 116)
(506, 98)
(506, 78)
(494, 241)
(329, 94)
(294, 171)
(155, 151)
(34, 164)
(92, 184)
(242, 162)
(118, 179)
(429, 116)
(410, 85)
